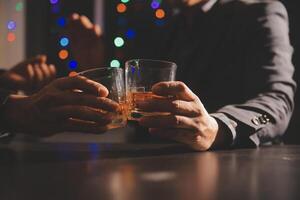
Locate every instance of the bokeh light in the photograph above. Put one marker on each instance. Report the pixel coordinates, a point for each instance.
(61, 22)
(19, 6)
(160, 13)
(130, 34)
(119, 42)
(115, 63)
(155, 4)
(53, 1)
(63, 54)
(125, 32)
(64, 41)
(73, 64)
(11, 37)
(11, 25)
(121, 7)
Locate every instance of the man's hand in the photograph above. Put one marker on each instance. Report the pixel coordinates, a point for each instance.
(29, 76)
(86, 42)
(188, 123)
(66, 104)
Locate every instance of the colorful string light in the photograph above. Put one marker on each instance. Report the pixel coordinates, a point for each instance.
(64, 41)
(121, 8)
(119, 42)
(160, 13)
(130, 33)
(19, 6)
(61, 22)
(155, 4)
(63, 54)
(53, 1)
(11, 25)
(73, 64)
(115, 63)
(11, 37)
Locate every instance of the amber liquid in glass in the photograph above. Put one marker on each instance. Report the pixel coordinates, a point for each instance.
(133, 112)
(120, 117)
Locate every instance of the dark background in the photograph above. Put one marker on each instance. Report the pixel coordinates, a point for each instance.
(43, 33)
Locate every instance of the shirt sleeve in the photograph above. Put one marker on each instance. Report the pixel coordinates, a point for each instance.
(229, 124)
(266, 113)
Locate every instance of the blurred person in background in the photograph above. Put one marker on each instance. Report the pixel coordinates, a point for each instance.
(28, 76)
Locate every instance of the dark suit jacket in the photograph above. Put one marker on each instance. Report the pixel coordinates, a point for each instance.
(237, 59)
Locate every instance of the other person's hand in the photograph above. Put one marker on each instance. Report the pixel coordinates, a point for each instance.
(188, 121)
(86, 41)
(29, 76)
(66, 104)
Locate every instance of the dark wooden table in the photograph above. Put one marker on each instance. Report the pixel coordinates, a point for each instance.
(119, 171)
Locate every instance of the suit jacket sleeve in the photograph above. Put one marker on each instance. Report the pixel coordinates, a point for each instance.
(269, 83)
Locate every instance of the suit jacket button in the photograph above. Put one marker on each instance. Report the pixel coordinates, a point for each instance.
(264, 119)
(255, 121)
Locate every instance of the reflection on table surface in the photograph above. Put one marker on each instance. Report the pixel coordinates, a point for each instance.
(61, 170)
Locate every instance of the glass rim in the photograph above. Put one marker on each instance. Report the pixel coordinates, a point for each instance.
(99, 69)
(173, 64)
